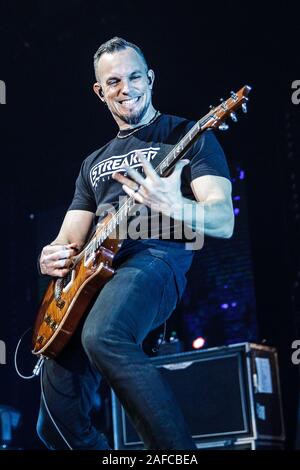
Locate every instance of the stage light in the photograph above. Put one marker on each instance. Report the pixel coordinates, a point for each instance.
(10, 419)
(198, 343)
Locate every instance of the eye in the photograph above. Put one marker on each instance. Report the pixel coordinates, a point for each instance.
(112, 82)
(135, 77)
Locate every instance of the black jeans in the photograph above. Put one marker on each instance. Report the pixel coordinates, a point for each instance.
(141, 296)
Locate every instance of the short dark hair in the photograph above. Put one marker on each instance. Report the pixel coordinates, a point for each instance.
(113, 45)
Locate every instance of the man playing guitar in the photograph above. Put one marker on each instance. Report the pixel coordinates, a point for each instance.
(150, 270)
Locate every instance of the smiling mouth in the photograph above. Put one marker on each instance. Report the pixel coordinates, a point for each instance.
(129, 102)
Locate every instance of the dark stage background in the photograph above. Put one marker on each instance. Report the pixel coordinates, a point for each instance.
(242, 289)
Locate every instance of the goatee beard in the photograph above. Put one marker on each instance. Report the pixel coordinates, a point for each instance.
(134, 118)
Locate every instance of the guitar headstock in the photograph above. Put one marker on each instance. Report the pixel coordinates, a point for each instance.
(216, 117)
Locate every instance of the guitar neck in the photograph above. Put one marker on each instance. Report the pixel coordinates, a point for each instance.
(180, 149)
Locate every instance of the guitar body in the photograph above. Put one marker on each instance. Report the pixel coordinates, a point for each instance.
(67, 299)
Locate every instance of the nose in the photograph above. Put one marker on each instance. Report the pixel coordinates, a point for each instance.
(125, 86)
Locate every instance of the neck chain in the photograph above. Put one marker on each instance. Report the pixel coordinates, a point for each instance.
(120, 136)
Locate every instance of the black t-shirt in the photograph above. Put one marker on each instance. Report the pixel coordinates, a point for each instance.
(96, 188)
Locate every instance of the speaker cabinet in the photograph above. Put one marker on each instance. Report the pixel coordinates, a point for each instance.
(228, 394)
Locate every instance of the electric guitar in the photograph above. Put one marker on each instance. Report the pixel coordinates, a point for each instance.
(67, 299)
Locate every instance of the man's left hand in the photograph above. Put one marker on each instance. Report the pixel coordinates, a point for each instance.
(162, 194)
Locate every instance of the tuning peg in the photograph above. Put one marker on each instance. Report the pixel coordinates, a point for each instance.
(211, 106)
(244, 107)
(233, 117)
(221, 99)
(223, 126)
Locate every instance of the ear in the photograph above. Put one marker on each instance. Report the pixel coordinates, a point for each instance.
(98, 90)
(151, 77)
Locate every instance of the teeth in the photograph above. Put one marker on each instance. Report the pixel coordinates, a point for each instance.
(129, 102)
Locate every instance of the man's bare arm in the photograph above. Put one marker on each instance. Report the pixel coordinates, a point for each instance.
(75, 228)
(213, 195)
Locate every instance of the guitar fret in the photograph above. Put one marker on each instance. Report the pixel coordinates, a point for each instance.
(163, 165)
(110, 226)
(90, 249)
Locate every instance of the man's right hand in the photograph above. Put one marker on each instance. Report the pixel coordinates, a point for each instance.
(55, 260)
